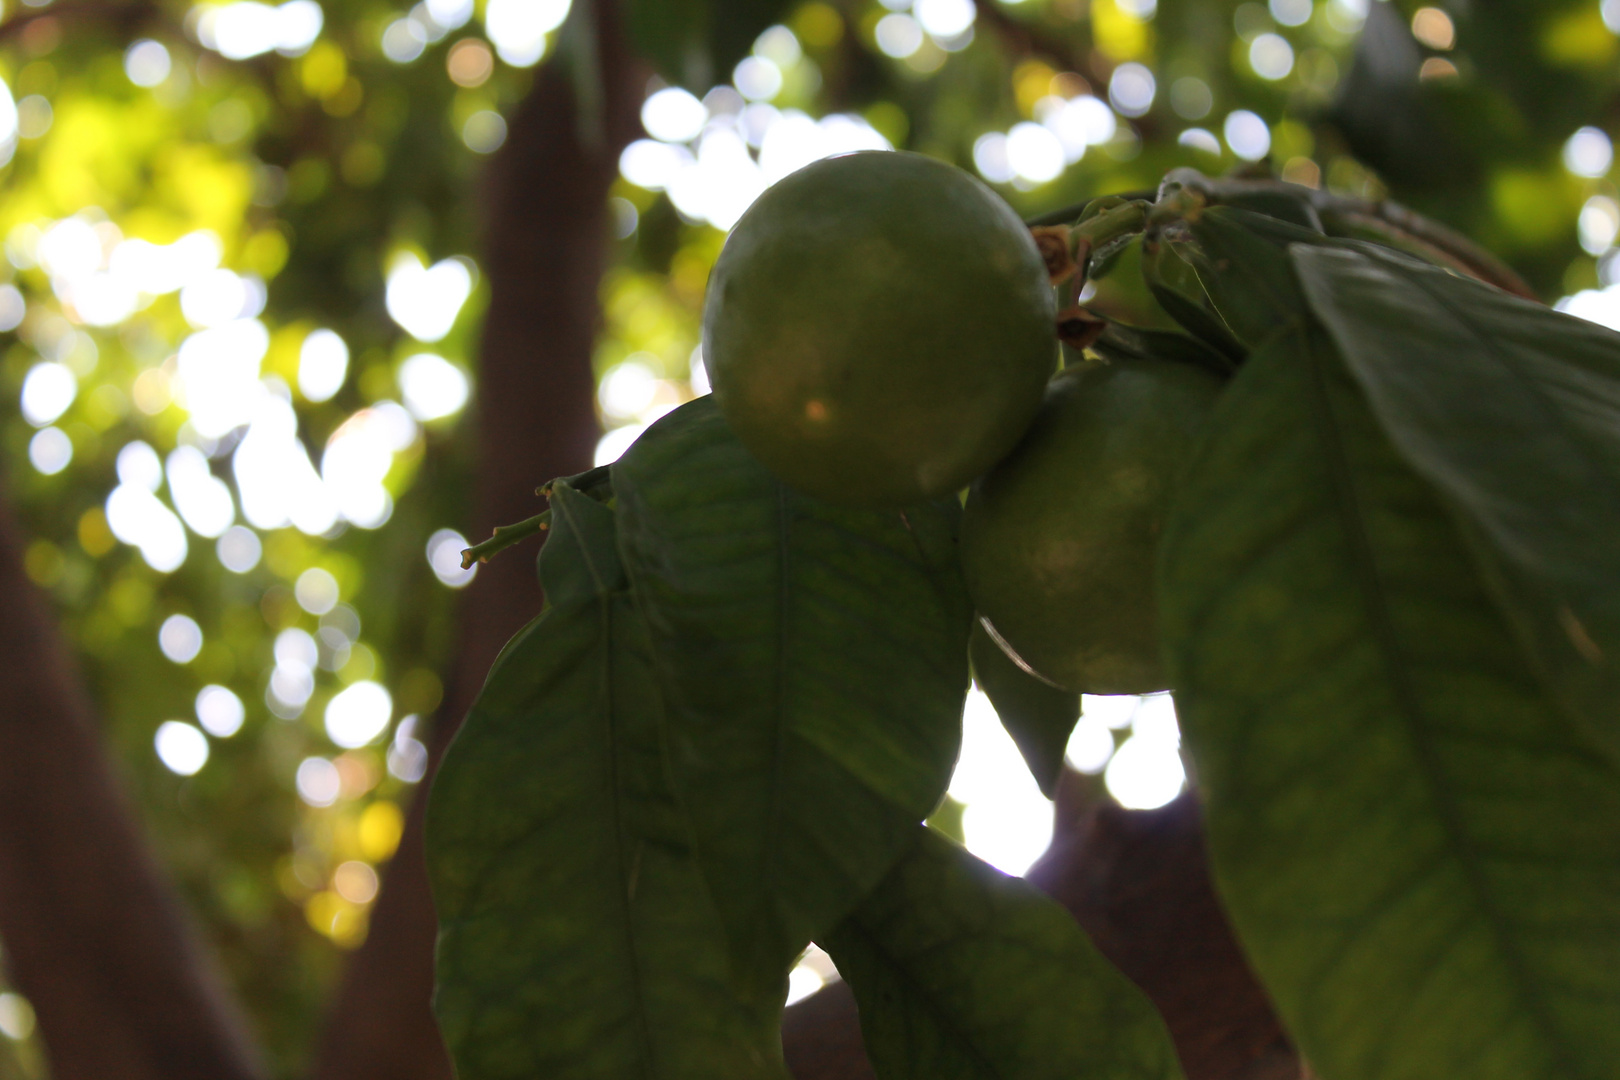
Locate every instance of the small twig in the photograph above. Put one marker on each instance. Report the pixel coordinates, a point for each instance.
(505, 536)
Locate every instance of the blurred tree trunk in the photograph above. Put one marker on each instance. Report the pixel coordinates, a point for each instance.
(544, 251)
(93, 934)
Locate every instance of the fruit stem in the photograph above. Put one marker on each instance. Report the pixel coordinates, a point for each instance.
(1099, 236)
(505, 536)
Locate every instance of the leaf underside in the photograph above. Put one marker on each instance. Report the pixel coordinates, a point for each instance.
(1039, 717)
(1512, 412)
(1421, 854)
(577, 938)
(963, 973)
(814, 664)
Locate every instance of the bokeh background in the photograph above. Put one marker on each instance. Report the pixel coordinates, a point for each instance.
(298, 298)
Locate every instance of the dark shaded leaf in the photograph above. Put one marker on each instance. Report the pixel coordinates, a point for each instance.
(1040, 717)
(1512, 411)
(964, 973)
(1122, 342)
(815, 663)
(577, 938)
(1241, 260)
(1420, 853)
(696, 42)
(1175, 285)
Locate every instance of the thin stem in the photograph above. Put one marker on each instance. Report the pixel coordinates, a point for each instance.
(505, 537)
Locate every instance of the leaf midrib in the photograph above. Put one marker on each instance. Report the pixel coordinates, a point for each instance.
(1407, 706)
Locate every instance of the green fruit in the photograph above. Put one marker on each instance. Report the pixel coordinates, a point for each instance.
(1059, 540)
(879, 329)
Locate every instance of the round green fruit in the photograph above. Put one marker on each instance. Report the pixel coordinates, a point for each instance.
(1059, 540)
(879, 328)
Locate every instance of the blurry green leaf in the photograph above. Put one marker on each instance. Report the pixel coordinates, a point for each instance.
(814, 660)
(1040, 717)
(1420, 853)
(1512, 411)
(577, 938)
(963, 973)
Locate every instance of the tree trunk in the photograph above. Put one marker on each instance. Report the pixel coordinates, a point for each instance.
(93, 934)
(544, 253)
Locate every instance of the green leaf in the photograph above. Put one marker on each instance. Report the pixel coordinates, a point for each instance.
(1420, 853)
(1175, 285)
(695, 42)
(1241, 260)
(1040, 717)
(1120, 341)
(963, 973)
(577, 938)
(815, 664)
(1512, 411)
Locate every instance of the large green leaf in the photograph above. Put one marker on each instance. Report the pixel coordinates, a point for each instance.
(1420, 853)
(963, 973)
(815, 663)
(577, 938)
(1040, 717)
(1512, 411)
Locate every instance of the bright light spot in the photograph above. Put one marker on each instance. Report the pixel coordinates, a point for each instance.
(484, 131)
(1131, 89)
(518, 28)
(898, 35)
(1271, 56)
(8, 124)
(155, 269)
(407, 756)
(1146, 772)
(181, 747)
(355, 882)
(34, 116)
(293, 679)
(1113, 711)
(239, 549)
(1346, 16)
(627, 389)
(16, 1016)
(802, 982)
(213, 298)
(357, 460)
(444, 550)
(203, 499)
(1090, 745)
(138, 518)
(358, 714)
(757, 79)
(1599, 222)
(219, 711)
(1141, 9)
(219, 375)
(50, 450)
(673, 115)
(47, 391)
(146, 62)
(316, 591)
(698, 372)
(274, 477)
(295, 648)
(138, 465)
(1192, 98)
(450, 14)
(12, 307)
(610, 447)
(779, 45)
(180, 638)
(1588, 152)
(1200, 139)
(1007, 823)
(323, 364)
(70, 249)
(945, 19)
(469, 62)
(245, 29)
(652, 165)
(403, 40)
(1291, 12)
(1034, 152)
(1434, 28)
(1247, 135)
(425, 300)
(432, 386)
(990, 157)
(1611, 15)
(318, 781)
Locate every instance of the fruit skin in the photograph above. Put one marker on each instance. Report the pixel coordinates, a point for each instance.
(1059, 540)
(879, 329)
